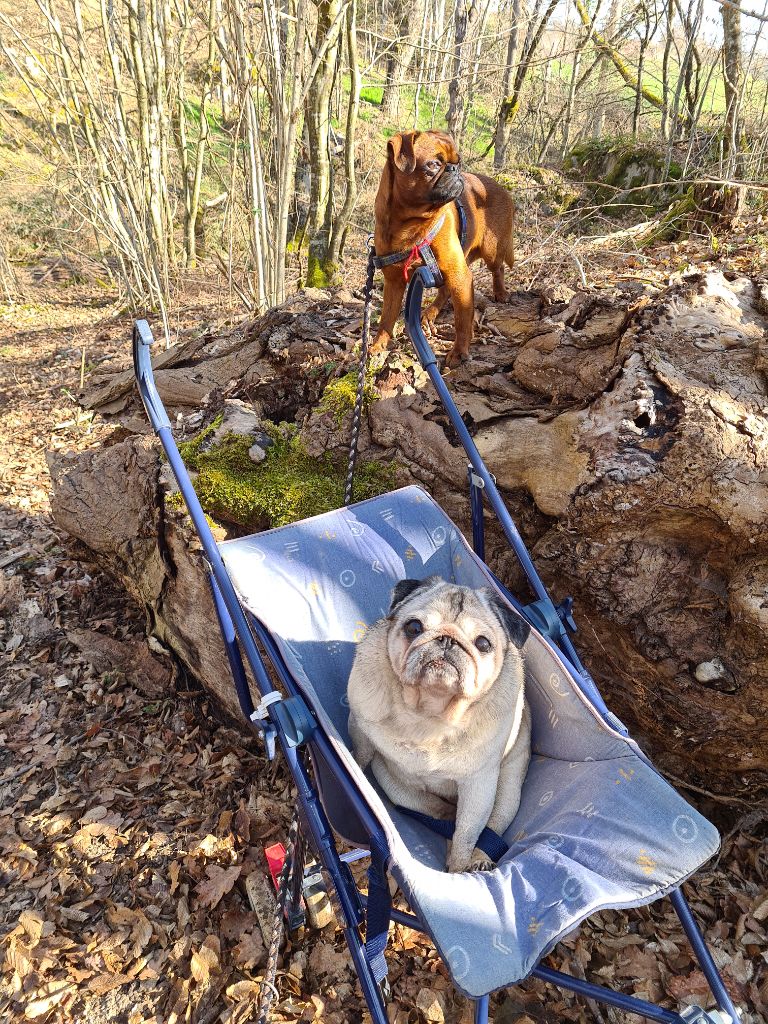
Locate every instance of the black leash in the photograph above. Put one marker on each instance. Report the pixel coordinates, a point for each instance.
(362, 368)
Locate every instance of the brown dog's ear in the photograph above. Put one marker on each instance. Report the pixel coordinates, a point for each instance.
(401, 152)
(515, 626)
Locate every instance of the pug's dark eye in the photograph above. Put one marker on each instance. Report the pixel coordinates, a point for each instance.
(433, 165)
(483, 644)
(412, 628)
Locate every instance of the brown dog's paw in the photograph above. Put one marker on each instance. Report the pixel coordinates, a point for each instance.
(455, 358)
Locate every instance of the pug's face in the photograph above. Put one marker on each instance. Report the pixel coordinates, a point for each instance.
(447, 644)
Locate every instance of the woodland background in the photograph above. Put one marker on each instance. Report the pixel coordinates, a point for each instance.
(213, 165)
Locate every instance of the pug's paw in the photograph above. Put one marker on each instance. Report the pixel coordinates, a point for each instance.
(481, 861)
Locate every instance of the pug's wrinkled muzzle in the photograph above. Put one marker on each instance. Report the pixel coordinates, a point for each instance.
(439, 661)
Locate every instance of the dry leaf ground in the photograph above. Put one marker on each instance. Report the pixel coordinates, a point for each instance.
(130, 816)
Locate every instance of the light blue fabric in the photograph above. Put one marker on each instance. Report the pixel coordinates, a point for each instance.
(597, 826)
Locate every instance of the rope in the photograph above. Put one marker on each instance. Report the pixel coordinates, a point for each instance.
(268, 990)
(358, 410)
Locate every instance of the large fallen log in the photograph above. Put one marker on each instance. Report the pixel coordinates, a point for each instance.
(629, 432)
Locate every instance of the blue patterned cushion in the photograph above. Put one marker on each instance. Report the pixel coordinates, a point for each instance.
(597, 826)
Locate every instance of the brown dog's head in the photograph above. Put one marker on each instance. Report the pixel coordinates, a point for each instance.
(448, 644)
(424, 168)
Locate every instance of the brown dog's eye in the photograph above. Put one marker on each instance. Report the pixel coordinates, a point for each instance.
(483, 644)
(412, 628)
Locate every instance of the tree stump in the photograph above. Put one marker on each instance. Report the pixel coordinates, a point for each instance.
(629, 433)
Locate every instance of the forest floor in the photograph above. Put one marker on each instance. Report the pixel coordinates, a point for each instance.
(130, 815)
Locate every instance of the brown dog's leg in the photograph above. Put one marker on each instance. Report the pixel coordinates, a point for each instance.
(500, 293)
(394, 287)
(462, 291)
(432, 312)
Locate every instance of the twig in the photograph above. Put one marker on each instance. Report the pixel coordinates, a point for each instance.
(705, 792)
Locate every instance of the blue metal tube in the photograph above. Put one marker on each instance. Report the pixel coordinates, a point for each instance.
(421, 279)
(703, 955)
(476, 504)
(142, 339)
(630, 1004)
(325, 848)
(352, 855)
(233, 651)
(481, 1010)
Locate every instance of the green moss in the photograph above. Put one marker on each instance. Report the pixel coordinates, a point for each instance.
(288, 485)
(672, 224)
(338, 398)
(190, 450)
(321, 273)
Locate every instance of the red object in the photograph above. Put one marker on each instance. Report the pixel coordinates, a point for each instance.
(275, 859)
(414, 254)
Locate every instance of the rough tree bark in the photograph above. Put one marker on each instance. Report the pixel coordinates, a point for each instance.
(629, 433)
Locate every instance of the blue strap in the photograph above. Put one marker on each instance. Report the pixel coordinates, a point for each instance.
(489, 842)
(378, 909)
(462, 224)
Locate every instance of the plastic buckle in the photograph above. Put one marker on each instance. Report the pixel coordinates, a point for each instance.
(262, 711)
(260, 717)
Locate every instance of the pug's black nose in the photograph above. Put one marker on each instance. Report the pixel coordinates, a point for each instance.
(446, 642)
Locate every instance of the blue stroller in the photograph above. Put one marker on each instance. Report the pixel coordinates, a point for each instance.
(597, 827)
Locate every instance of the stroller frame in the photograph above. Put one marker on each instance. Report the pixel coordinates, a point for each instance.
(290, 723)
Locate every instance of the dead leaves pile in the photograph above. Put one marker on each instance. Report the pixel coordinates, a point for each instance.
(130, 820)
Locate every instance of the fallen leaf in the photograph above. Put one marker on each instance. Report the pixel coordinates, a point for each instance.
(220, 881)
(250, 950)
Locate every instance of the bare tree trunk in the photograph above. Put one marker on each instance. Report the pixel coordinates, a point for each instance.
(732, 73)
(606, 47)
(614, 17)
(568, 119)
(9, 284)
(464, 14)
(409, 17)
(341, 222)
(320, 272)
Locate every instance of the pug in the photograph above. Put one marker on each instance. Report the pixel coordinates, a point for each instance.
(421, 181)
(438, 711)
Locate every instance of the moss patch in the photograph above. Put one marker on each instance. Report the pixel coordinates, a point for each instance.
(288, 485)
(622, 169)
(338, 398)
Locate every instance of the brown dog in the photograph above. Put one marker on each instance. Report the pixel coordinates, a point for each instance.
(419, 184)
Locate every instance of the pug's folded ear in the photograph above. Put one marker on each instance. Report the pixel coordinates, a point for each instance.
(515, 626)
(404, 589)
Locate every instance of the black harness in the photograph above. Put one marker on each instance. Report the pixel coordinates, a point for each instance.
(423, 249)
